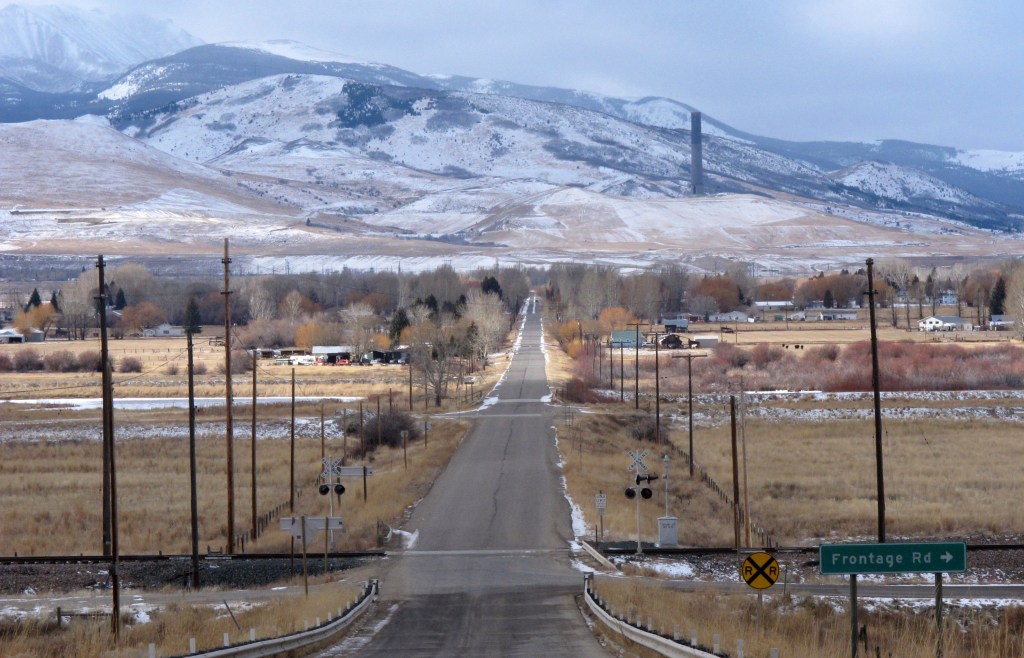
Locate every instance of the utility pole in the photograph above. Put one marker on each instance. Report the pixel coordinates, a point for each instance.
(876, 388)
(193, 501)
(657, 393)
(111, 462)
(228, 399)
(253, 447)
(735, 473)
(101, 304)
(690, 356)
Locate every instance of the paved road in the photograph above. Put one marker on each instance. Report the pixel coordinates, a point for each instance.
(489, 573)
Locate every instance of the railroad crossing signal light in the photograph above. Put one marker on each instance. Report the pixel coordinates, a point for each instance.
(646, 493)
(339, 488)
(324, 489)
(630, 493)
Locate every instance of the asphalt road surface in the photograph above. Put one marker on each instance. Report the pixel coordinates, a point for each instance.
(489, 573)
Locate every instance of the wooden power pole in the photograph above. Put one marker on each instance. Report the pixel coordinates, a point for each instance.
(229, 427)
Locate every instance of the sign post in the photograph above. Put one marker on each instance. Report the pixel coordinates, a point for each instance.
(601, 502)
(930, 557)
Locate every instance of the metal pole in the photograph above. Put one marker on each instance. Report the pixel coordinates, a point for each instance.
(664, 461)
(853, 615)
(322, 429)
(194, 509)
(746, 498)
(876, 388)
(305, 568)
(291, 460)
(408, 355)
(228, 398)
(639, 547)
(939, 644)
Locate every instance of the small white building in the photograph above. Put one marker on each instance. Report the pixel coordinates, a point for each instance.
(164, 330)
(8, 336)
(731, 316)
(942, 323)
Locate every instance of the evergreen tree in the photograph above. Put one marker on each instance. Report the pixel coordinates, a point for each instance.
(119, 301)
(491, 286)
(829, 300)
(399, 321)
(997, 302)
(192, 321)
(33, 301)
(53, 302)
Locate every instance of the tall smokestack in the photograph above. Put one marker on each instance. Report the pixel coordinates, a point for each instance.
(696, 156)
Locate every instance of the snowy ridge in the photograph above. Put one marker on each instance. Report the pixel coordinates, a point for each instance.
(892, 181)
(83, 45)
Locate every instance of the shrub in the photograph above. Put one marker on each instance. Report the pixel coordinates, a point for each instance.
(643, 428)
(6, 363)
(27, 360)
(60, 361)
(89, 361)
(171, 369)
(736, 357)
(578, 390)
(199, 368)
(241, 362)
(130, 364)
(392, 424)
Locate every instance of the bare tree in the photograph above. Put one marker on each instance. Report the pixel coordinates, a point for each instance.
(78, 304)
(1015, 298)
(900, 275)
(487, 312)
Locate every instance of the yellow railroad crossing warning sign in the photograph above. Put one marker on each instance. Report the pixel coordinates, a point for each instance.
(760, 570)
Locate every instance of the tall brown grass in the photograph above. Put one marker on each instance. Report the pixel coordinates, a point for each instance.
(171, 627)
(809, 627)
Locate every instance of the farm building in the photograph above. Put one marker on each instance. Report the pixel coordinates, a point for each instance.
(164, 330)
(942, 323)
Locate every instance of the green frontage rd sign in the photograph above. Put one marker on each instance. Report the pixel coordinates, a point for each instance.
(933, 557)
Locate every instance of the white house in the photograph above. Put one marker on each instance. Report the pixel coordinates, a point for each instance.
(942, 323)
(731, 316)
(164, 329)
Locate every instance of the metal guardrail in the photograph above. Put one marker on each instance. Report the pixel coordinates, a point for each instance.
(662, 645)
(280, 645)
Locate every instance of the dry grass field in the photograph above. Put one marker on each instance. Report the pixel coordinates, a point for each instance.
(810, 628)
(807, 470)
(50, 476)
(170, 628)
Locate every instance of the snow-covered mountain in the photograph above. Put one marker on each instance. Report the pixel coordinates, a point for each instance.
(51, 48)
(330, 139)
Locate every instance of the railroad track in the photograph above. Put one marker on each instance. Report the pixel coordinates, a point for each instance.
(209, 557)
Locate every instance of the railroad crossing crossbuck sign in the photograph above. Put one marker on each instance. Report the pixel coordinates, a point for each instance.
(760, 570)
(638, 464)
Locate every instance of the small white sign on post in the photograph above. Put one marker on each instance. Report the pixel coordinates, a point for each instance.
(601, 502)
(314, 524)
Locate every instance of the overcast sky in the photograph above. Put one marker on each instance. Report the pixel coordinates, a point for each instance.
(948, 72)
